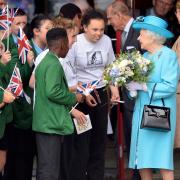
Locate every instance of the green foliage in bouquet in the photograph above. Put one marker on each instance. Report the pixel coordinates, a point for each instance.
(142, 67)
(128, 67)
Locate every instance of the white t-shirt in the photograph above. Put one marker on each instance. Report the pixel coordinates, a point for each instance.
(90, 58)
(69, 69)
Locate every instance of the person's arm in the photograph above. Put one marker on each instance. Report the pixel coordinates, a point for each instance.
(6, 97)
(80, 116)
(30, 58)
(73, 88)
(55, 89)
(111, 56)
(2, 105)
(114, 93)
(169, 78)
(32, 80)
(5, 57)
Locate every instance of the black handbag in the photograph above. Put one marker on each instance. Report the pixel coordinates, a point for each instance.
(156, 117)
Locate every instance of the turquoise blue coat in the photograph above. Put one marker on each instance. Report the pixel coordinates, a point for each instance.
(154, 149)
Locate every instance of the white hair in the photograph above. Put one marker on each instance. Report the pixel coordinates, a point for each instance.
(157, 37)
(82, 4)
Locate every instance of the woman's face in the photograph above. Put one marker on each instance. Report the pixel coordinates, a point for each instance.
(94, 30)
(145, 39)
(178, 15)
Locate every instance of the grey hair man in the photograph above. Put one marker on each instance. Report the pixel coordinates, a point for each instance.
(118, 15)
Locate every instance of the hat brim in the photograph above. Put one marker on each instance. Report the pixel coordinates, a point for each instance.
(161, 31)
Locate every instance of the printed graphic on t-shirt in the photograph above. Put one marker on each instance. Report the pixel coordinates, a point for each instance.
(94, 58)
(71, 67)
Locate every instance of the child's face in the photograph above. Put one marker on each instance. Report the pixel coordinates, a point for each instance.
(19, 21)
(3, 4)
(41, 32)
(63, 48)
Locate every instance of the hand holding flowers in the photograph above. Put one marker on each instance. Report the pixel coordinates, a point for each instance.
(134, 86)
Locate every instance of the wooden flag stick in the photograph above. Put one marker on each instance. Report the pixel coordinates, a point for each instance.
(7, 28)
(73, 107)
(4, 90)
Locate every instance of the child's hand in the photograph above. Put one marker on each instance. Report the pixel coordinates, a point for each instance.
(8, 97)
(80, 97)
(90, 100)
(6, 57)
(80, 117)
(2, 105)
(30, 58)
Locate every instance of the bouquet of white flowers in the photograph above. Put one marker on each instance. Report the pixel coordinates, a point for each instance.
(128, 67)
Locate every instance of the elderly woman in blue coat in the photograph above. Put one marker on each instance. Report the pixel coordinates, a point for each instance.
(149, 148)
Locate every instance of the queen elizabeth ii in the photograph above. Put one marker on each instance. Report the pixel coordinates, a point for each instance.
(150, 148)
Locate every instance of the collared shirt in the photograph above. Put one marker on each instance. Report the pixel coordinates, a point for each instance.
(15, 39)
(151, 12)
(37, 48)
(128, 25)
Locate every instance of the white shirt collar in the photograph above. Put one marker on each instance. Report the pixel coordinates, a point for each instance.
(128, 25)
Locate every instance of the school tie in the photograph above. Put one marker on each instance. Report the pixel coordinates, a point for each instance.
(123, 38)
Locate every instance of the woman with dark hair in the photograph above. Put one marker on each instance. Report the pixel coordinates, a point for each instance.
(90, 54)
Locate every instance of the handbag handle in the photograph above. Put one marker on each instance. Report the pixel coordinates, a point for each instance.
(153, 94)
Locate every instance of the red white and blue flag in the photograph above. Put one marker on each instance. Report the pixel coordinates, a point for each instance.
(23, 46)
(6, 17)
(16, 86)
(87, 88)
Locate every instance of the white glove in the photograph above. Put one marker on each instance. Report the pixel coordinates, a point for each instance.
(134, 86)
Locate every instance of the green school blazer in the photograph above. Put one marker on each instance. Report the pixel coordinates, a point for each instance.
(6, 114)
(52, 98)
(22, 111)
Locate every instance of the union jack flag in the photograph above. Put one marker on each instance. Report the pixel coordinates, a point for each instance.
(16, 86)
(23, 46)
(6, 17)
(87, 88)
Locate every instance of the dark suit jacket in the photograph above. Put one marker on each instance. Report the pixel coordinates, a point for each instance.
(131, 40)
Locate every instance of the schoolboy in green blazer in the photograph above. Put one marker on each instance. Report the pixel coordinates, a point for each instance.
(53, 101)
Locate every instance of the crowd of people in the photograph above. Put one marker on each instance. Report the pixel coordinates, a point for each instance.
(67, 51)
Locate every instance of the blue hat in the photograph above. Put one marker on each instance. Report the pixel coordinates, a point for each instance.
(154, 24)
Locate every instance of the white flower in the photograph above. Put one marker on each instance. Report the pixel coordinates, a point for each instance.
(126, 67)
